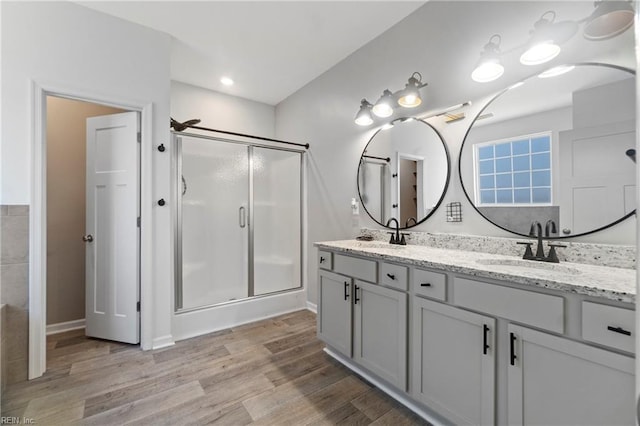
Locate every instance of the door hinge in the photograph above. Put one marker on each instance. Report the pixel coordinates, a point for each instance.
(138, 222)
(139, 136)
(138, 306)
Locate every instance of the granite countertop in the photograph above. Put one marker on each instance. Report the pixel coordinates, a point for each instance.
(599, 281)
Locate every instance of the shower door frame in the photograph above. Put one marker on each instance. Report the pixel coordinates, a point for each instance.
(177, 222)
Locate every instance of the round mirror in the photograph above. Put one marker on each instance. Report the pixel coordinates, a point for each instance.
(558, 149)
(403, 173)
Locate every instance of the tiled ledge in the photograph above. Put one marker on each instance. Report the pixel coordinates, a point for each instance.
(616, 256)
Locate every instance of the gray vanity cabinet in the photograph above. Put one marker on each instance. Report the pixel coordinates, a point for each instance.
(554, 380)
(334, 310)
(380, 331)
(453, 362)
(366, 322)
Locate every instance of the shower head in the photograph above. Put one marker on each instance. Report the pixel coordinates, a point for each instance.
(178, 127)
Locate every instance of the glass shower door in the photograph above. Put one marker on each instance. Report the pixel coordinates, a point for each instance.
(276, 223)
(213, 207)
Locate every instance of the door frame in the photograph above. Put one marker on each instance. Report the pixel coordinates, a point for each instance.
(38, 213)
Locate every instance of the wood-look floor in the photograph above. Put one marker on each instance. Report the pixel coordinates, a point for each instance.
(271, 372)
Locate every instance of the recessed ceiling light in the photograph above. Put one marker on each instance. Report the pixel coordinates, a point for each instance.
(226, 81)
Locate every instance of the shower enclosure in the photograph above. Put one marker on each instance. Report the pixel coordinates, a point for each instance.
(238, 228)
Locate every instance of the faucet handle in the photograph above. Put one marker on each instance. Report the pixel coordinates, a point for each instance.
(553, 256)
(403, 241)
(528, 254)
(393, 238)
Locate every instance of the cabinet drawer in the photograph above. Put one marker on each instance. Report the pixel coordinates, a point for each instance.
(325, 259)
(355, 267)
(528, 307)
(394, 276)
(609, 325)
(430, 284)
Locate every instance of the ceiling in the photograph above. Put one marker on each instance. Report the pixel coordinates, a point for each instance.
(270, 49)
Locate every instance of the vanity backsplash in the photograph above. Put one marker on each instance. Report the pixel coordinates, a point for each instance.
(616, 256)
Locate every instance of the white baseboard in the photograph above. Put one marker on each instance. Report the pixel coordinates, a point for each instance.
(61, 327)
(312, 307)
(162, 342)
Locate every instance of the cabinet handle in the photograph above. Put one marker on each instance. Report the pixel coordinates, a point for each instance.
(619, 330)
(355, 289)
(485, 347)
(393, 277)
(425, 285)
(513, 349)
(346, 290)
(321, 259)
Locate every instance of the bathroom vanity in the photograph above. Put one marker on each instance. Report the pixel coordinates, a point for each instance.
(467, 337)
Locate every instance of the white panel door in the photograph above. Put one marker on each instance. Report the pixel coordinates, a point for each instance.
(597, 179)
(112, 235)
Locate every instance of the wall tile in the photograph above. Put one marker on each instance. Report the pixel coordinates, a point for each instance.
(17, 371)
(18, 210)
(15, 284)
(3, 347)
(14, 239)
(17, 333)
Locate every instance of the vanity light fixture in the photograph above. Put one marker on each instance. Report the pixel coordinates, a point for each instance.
(543, 47)
(556, 71)
(610, 18)
(363, 117)
(383, 108)
(409, 97)
(489, 67)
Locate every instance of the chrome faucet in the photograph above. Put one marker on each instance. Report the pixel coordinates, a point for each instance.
(395, 237)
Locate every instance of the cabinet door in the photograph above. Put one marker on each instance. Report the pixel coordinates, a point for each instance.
(553, 380)
(454, 362)
(334, 311)
(380, 332)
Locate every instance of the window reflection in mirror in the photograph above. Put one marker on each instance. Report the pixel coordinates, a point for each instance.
(403, 173)
(555, 149)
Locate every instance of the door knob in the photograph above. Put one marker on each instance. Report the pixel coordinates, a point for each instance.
(87, 238)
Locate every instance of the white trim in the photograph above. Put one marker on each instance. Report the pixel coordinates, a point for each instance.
(163, 342)
(37, 216)
(401, 397)
(312, 307)
(62, 327)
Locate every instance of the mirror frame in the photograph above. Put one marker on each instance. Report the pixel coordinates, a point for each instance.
(446, 183)
(489, 102)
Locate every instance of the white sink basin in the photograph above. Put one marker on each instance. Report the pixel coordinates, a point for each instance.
(520, 264)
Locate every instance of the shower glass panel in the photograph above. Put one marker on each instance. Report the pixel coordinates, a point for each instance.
(276, 220)
(238, 228)
(213, 203)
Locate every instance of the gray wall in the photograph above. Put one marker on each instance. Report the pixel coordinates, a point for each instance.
(322, 112)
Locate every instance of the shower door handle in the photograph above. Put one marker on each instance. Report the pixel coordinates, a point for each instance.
(242, 217)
